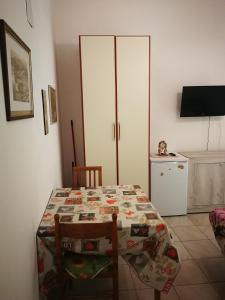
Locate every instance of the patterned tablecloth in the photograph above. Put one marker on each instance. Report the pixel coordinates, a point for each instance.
(143, 237)
(217, 220)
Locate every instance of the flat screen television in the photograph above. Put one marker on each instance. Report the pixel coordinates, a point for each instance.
(200, 101)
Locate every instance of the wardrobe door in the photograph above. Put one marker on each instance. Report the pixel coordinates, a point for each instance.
(98, 89)
(132, 63)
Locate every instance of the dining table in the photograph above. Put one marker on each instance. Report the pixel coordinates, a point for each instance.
(144, 240)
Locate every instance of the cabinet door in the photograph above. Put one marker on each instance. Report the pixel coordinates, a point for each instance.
(98, 87)
(208, 184)
(132, 61)
(169, 187)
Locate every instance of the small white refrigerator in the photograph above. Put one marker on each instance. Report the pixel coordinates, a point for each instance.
(169, 179)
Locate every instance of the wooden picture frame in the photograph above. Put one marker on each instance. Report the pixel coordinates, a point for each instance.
(45, 111)
(52, 104)
(17, 74)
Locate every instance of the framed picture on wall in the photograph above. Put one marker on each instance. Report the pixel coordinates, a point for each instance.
(17, 74)
(45, 111)
(52, 104)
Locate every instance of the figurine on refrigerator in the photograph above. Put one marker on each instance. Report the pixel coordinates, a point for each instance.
(162, 148)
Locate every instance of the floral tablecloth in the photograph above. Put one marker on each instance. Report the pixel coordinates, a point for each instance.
(143, 237)
(217, 220)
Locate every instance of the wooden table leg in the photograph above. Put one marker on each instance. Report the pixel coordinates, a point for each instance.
(157, 294)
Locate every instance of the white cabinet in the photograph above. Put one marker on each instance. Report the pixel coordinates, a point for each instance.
(206, 180)
(115, 93)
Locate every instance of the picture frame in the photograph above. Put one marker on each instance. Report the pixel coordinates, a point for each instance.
(45, 111)
(52, 104)
(17, 74)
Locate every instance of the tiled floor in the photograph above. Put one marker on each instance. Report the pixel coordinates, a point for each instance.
(202, 274)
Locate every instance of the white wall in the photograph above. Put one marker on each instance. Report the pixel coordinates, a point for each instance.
(187, 48)
(29, 161)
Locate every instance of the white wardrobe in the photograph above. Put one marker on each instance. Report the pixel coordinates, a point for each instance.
(115, 97)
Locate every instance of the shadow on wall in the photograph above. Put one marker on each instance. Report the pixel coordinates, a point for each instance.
(179, 95)
(69, 91)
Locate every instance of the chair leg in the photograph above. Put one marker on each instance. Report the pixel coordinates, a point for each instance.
(115, 288)
(61, 292)
(70, 284)
(157, 294)
(62, 285)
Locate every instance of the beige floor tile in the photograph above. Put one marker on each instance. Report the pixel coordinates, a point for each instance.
(207, 231)
(148, 294)
(167, 219)
(189, 233)
(197, 292)
(145, 294)
(137, 282)
(121, 261)
(128, 295)
(178, 221)
(183, 253)
(190, 273)
(220, 289)
(214, 241)
(173, 235)
(125, 279)
(199, 219)
(172, 295)
(202, 248)
(214, 268)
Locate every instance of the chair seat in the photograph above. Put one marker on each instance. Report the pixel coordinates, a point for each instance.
(83, 266)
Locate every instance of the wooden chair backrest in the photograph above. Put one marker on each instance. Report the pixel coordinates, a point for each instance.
(85, 231)
(90, 176)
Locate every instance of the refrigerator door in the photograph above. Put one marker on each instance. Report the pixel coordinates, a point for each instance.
(169, 187)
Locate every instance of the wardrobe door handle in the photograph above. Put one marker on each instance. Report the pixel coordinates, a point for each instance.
(119, 131)
(114, 131)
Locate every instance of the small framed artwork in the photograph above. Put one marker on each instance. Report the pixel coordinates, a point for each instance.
(52, 104)
(17, 74)
(45, 112)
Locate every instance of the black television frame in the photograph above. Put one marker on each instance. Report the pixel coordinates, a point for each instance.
(202, 101)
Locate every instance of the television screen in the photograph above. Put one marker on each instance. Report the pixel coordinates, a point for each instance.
(203, 101)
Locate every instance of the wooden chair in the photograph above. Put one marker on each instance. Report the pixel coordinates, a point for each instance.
(90, 176)
(87, 231)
